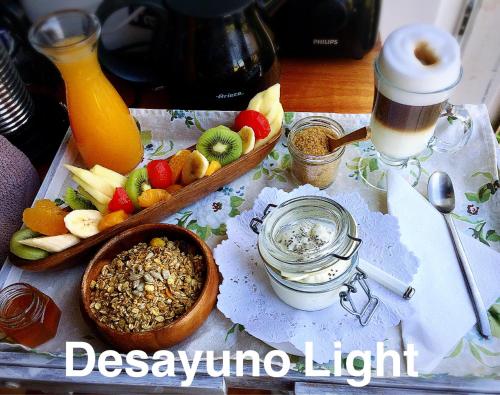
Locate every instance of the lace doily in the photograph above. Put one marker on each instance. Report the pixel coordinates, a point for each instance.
(246, 296)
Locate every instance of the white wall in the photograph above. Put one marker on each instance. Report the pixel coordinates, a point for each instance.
(480, 43)
(443, 13)
(481, 60)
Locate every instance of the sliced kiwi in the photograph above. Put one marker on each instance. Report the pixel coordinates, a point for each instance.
(23, 251)
(76, 201)
(137, 182)
(220, 144)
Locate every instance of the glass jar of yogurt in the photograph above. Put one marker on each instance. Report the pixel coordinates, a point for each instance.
(309, 246)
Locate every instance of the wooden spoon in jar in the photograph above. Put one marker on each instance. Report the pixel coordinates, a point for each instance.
(358, 135)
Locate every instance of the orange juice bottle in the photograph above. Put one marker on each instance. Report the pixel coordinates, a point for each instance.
(104, 131)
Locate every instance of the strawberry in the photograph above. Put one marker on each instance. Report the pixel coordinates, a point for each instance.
(159, 173)
(121, 201)
(254, 119)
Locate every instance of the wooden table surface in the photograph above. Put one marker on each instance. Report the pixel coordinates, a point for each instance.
(328, 85)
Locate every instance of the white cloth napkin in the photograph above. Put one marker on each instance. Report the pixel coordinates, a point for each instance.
(443, 310)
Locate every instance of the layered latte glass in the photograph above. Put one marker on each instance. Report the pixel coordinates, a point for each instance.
(415, 74)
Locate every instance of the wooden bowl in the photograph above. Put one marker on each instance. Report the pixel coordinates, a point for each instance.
(174, 332)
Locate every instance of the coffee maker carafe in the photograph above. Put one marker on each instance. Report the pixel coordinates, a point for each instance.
(209, 54)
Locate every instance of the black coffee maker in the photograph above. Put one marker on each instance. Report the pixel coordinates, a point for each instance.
(209, 54)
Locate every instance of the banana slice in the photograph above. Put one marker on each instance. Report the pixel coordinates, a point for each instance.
(277, 120)
(195, 167)
(248, 138)
(275, 124)
(83, 223)
(263, 101)
(268, 103)
(52, 243)
(274, 112)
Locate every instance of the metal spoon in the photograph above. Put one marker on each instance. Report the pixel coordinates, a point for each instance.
(442, 196)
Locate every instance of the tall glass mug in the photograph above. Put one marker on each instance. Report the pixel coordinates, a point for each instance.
(406, 122)
(104, 130)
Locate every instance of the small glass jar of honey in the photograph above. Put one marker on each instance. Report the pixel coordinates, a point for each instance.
(27, 315)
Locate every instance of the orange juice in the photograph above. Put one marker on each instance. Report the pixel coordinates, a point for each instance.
(104, 130)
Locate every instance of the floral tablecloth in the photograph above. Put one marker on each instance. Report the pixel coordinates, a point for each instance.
(474, 171)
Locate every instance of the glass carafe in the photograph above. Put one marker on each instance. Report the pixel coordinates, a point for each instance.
(103, 128)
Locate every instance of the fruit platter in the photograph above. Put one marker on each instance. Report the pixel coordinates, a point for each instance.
(101, 203)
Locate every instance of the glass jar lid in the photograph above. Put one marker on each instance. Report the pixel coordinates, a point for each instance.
(307, 234)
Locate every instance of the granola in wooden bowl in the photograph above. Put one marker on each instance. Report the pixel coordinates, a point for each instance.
(150, 287)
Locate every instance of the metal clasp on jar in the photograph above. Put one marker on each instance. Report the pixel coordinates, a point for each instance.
(354, 250)
(256, 222)
(366, 313)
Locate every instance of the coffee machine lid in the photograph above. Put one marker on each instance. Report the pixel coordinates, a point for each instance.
(207, 9)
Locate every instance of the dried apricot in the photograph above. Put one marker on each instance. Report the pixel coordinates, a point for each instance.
(112, 219)
(157, 242)
(174, 188)
(152, 196)
(45, 203)
(176, 163)
(45, 217)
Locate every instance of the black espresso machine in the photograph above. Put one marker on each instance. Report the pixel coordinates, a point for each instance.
(326, 28)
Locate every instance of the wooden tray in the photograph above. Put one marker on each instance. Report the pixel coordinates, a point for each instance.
(186, 196)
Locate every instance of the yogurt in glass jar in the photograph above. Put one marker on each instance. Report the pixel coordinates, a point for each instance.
(309, 246)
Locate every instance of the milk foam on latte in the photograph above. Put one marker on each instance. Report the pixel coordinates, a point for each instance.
(420, 58)
(416, 71)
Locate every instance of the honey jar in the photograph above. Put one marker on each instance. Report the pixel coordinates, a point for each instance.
(27, 315)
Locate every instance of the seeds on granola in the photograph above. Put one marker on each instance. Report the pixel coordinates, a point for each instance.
(147, 287)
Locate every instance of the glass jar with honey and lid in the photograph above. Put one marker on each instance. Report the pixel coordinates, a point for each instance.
(27, 315)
